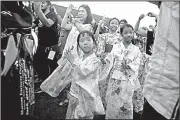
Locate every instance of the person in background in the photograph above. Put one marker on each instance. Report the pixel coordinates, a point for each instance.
(161, 88)
(78, 24)
(121, 23)
(52, 8)
(124, 61)
(44, 60)
(145, 32)
(60, 31)
(107, 40)
(105, 43)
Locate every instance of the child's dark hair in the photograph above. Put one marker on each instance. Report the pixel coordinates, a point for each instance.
(125, 25)
(88, 33)
(114, 19)
(123, 20)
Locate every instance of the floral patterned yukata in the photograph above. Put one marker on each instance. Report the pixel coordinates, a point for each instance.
(122, 81)
(106, 38)
(138, 98)
(103, 39)
(84, 98)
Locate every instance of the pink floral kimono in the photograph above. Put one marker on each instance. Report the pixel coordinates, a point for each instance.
(122, 81)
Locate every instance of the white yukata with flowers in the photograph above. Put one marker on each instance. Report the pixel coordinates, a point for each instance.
(103, 40)
(84, 98)
(122, 81)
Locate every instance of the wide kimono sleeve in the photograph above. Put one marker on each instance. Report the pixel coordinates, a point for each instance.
(101, 44)
(84, 71)
(134, 68)
(134, 65)
(87, 76)
(109, 64)
(59, 79)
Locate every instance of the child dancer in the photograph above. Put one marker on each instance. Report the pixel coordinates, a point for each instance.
(124, 60)
(107, 40)
(105, 44)
(84, 98)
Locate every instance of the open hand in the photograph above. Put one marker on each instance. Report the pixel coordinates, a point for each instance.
(69, 55)
(69, 9)
(103, 20)
(37, 4)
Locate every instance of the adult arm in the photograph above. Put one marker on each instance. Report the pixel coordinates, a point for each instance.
(46, 22)
(136, 28)
(65, 24)
(99, 27)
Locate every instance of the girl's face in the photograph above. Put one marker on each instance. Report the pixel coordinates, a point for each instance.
(86, 43)
(44, 5)
(127, 34)
(114, 24)
(122, 23)
(82, 14)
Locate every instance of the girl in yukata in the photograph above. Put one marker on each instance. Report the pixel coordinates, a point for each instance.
(105, 43)
(75, 25)
(124, 60)
(83, 74)
(84, 98)
(107, 40)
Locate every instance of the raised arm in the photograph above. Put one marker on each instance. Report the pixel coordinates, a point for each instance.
(46, 22)
(136, 28)
(151, 14)
(65, 24)
(58, 16)
(99, 27)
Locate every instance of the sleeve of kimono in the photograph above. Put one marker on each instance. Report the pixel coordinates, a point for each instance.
(110, 56)
(101, 43)
(87, 70)
(109, 64)
(134, 65)
(134, 68)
